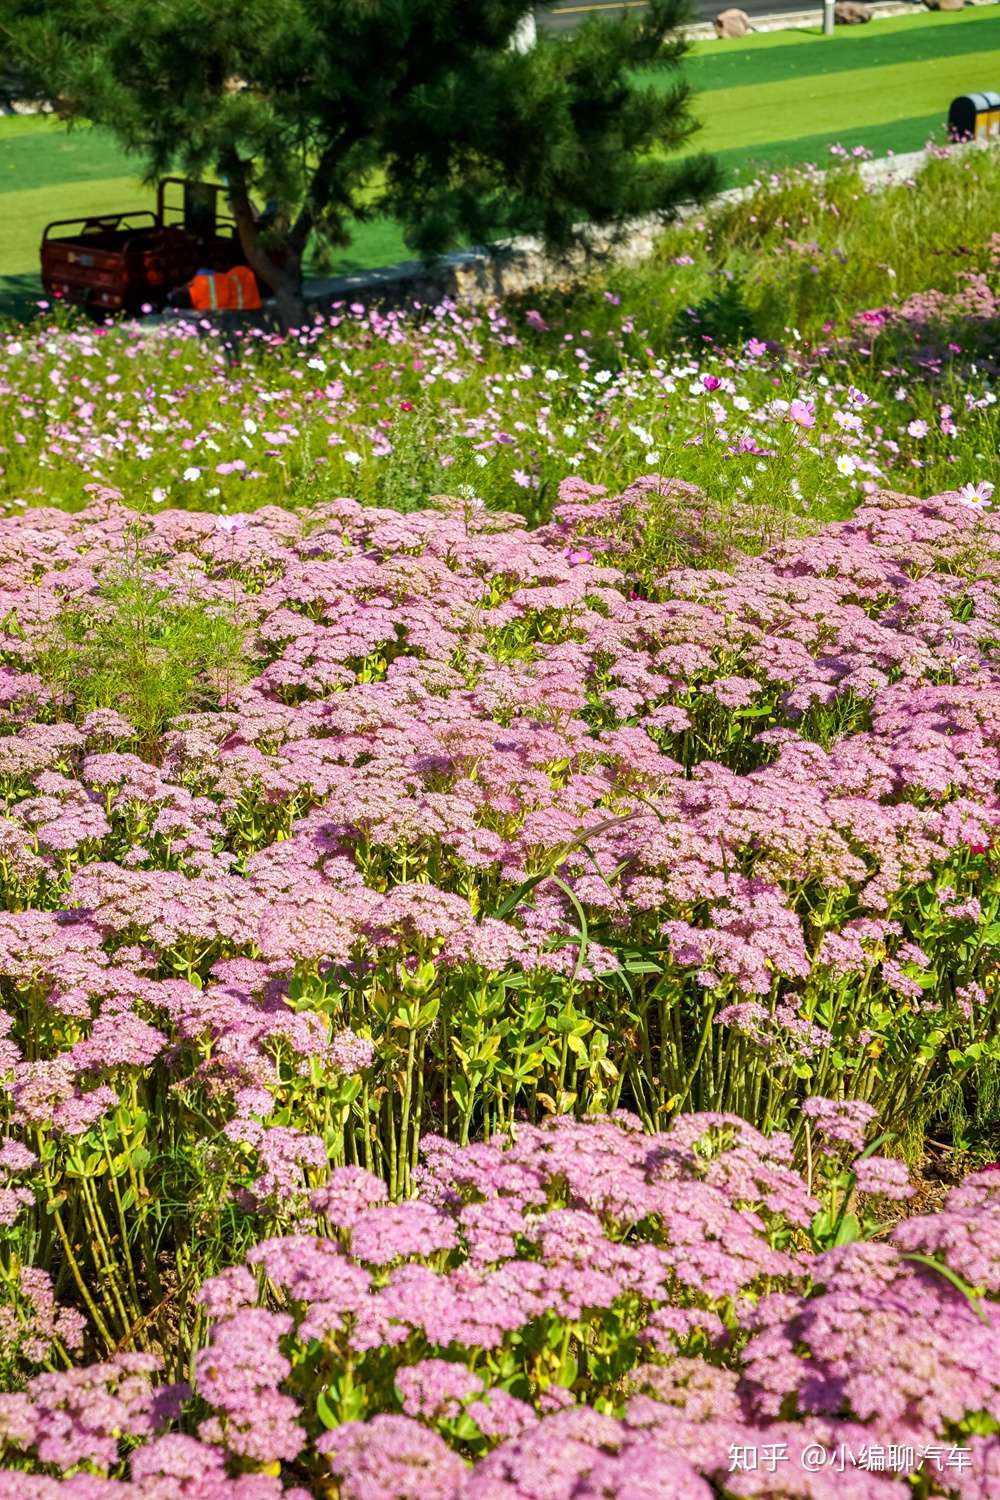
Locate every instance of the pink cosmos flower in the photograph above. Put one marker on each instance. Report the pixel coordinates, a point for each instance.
(802, 413)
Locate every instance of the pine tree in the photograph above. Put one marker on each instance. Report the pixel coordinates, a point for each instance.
(334, 111)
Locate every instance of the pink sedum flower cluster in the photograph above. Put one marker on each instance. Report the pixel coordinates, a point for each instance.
(492, 819)
(764, 763)
(599, 1312)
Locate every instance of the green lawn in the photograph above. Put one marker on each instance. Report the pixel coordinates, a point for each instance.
(824, 105)
(768, 57)
(770, 99)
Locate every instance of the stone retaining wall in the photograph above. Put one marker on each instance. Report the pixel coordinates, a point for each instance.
(522, 265)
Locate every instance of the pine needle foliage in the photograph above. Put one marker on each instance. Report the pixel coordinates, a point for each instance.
(334, 111)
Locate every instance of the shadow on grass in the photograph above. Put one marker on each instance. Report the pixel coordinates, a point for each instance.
(19, 296)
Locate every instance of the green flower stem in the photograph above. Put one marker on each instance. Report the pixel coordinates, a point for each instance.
(101, 1244)
(706, 1032)
(75, 1271)
(401, 1173)
(123, 1227)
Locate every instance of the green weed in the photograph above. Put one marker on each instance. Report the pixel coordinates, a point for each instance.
(134, 644)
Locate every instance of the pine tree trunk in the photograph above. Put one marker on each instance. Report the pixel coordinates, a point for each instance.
(289, 300)
(282, 274)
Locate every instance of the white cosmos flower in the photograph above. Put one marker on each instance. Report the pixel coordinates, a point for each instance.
(976, 496)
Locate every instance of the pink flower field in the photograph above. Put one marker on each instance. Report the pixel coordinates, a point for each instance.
(472, 993)
(499, 903)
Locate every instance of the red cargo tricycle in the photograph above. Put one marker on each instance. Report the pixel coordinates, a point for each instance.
(123, 262)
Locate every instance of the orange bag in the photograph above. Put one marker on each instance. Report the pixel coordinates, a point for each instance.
(223, 291)
(246, 290)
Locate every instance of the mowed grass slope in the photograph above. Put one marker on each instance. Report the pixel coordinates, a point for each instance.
(770, 99)
(769, 57)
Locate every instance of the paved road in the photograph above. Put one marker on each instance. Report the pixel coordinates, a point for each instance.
(568, 13)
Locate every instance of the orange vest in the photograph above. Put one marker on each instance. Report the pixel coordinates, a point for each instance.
(219, 291)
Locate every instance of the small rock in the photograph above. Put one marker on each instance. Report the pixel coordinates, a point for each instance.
(851, 13)
(945, 4)
(525, 33)
(731, 23)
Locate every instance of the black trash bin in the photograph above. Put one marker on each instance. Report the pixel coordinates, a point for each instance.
(975, 116)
